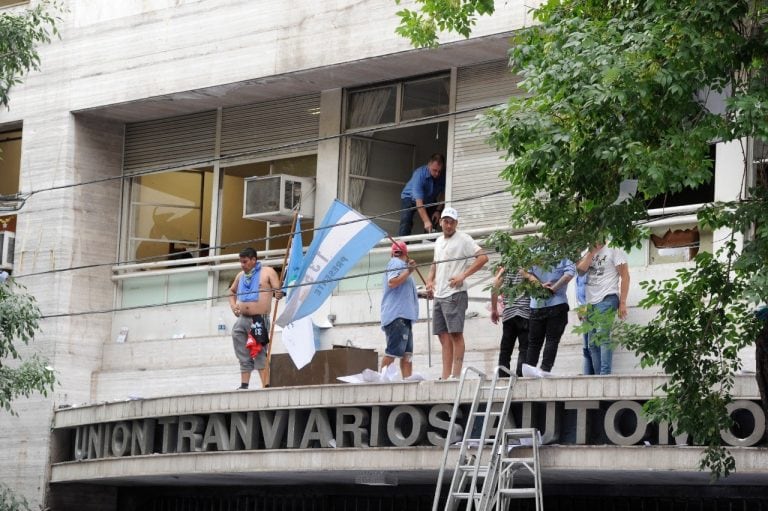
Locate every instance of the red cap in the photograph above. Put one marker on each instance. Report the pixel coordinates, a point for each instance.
(399, 246)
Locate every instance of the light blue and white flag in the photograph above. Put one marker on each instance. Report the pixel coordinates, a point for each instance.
(341, 240)
(299, 340)
(298, 337)
(295, 259)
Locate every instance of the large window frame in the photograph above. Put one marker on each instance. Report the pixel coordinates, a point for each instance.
(399, 101)
(163, 279)
(368, 132)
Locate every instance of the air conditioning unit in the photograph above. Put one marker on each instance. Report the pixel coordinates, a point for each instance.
(7, 244)
(275, 198)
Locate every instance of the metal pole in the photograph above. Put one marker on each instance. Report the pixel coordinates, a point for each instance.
(429, 336)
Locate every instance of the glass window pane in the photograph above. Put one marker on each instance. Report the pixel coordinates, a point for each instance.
(301, 166)
(372, 107)
(424, 98)
(238, 232)
(170, 214)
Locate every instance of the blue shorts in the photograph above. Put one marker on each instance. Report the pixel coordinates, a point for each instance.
(399, 338)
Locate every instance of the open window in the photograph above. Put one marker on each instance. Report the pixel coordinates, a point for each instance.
(391, 130)
(681, 242)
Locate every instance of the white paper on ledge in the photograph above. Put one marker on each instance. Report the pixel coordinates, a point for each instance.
(387, 374)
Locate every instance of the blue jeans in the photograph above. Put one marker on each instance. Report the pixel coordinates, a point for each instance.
(587, 357)
(407, 212)
(406, 217)
(600, 347)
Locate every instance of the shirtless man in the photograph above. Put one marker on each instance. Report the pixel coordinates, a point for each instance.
(250, 298)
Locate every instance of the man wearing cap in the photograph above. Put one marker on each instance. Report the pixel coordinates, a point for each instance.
(399, 309)
(457, 256)
(426, 184)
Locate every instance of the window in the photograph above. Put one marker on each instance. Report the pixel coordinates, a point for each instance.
(10, 167)
(170, 214)
(378, 164)
(703, 193)
(393, 103)
(425, 98)
(372, 107)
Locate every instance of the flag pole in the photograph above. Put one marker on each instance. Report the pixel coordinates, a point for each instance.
(265, 375)
(417, 268)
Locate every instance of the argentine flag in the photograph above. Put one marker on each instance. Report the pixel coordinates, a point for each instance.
(341, 240)
(295, 259)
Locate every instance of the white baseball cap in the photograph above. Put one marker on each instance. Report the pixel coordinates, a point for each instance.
(450, 213)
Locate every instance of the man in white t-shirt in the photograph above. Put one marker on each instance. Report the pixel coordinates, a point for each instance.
(606, 291)
(457, 256)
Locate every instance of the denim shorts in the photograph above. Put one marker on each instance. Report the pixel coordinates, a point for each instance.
(399, 338)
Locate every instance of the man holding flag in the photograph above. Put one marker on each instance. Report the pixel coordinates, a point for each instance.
(399, 309)
(250, 299)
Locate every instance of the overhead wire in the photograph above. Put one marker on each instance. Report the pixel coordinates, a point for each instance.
(268, 290)
(162, 258)
(292, 286)
(236, 156)
(191, 164)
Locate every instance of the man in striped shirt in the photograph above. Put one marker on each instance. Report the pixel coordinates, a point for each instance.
(514, 320)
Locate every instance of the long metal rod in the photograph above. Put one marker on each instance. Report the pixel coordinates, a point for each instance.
(265, 375)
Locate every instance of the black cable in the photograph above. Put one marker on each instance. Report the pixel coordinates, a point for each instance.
(253, 152)
(254, 240)
(217, 297)
(292, 286)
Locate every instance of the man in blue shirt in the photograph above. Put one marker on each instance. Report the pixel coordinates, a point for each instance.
(549, 316)
(426, 184)
(399, 309)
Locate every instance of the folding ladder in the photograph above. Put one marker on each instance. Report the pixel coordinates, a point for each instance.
(485, 471)
(519, 452)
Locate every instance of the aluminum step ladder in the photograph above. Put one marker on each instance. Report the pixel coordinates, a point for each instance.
(475, 477)
(519, 454)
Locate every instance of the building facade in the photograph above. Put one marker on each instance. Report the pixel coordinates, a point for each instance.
(148, 145)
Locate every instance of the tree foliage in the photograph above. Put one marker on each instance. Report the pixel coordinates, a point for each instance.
(9, 501)
(623, 90)
(19, 320)
(19, 376)
(422, 27)
(20, 34)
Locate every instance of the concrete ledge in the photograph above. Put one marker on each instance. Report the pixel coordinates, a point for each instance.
(639, 387)
(414, 465)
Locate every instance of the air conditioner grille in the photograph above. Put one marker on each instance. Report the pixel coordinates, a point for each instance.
(7, 246)
(264, 197)
(275, 198)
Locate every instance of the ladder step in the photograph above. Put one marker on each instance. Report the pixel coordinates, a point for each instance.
(518, 493)
(512, 461)
(483, 414)
(483, 469)
(465, 495)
